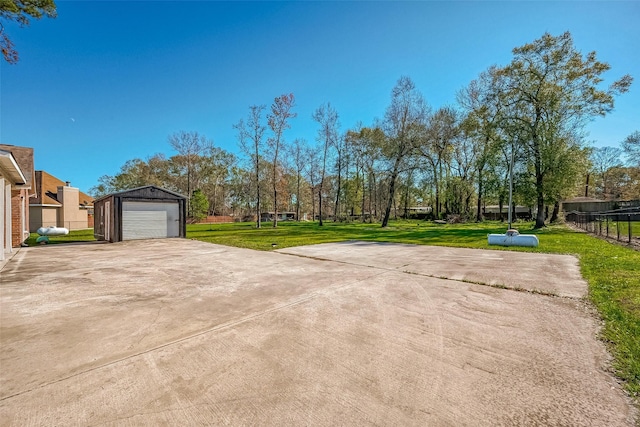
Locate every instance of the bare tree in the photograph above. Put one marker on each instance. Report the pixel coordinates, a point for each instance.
(341, 163)
(299, 159)
(313, 172)
(216, 171)
(481, 124)
(603, 160)
(404, 120)
(250, 136)
(463, 161)
(190, 145)
(278, 122)
(631, 148)
(327, 118)
(365, 146)
(436, 147)
(353, 151)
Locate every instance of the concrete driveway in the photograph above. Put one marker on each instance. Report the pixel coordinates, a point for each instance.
(180, 332)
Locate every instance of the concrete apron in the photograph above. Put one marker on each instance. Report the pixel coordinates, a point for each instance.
(7, 257)
(184, 332)
(535, 272)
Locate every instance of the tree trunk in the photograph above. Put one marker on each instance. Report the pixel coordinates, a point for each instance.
(539, 185)
(259, 220)
(540, 214)
(372, 193)
(437, 185)
(406, 203)
(320, 203)
(363, 196)
(189, 189)
(313, 203)
(539, 175)
(392, 191)
(556, 212)
(324, 167)
(479, 217)
(467, 205)
(335, 210)
(298, 197)
(275, 196)
(395, 209)
(586, 187)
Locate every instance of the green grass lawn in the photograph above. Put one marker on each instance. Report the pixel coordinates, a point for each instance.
(72, 237)
(296, 234)
(616, 228)
(612, 271)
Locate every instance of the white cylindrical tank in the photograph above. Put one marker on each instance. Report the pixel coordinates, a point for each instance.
(52, 231)
(512, 238)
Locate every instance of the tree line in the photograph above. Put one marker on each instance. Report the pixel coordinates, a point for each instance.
(526, 118)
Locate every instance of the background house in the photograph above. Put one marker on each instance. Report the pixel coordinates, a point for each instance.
(58, 204)
(17, 181)
(493, 212)
(282, 216)
(589, 204)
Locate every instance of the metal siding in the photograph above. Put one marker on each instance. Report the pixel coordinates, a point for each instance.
(107, 220)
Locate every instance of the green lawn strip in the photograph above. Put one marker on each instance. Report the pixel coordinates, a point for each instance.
(73, 237)
(612, 271)
(613, 274)
(296, 234)
(616, 229)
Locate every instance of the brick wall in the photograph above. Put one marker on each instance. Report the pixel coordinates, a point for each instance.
(19, 204)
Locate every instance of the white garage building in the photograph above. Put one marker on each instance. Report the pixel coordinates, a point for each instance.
(141, 213)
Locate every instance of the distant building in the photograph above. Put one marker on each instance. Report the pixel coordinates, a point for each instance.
(57, 203)
(282, 216)
(418, 212)
(588, 204)
(493, 212)
(17, 181)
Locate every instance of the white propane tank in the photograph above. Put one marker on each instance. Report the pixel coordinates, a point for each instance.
(52, 231)
(513, 238)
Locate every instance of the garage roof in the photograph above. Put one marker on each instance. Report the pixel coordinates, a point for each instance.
(137, 189)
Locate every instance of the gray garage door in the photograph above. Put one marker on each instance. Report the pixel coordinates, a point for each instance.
(150, 220)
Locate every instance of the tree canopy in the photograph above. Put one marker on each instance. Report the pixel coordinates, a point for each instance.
(199, 205)
(452, 162)
(631, 148)
(21, 11)
(549, 91)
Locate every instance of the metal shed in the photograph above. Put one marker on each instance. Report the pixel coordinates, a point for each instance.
(148, 212)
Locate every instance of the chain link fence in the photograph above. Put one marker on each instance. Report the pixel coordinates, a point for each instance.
(621, 224)
(75, 225)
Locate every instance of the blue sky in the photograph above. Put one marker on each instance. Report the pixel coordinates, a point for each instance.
(109, 81)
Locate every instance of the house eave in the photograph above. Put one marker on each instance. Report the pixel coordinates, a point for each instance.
(11, 170)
